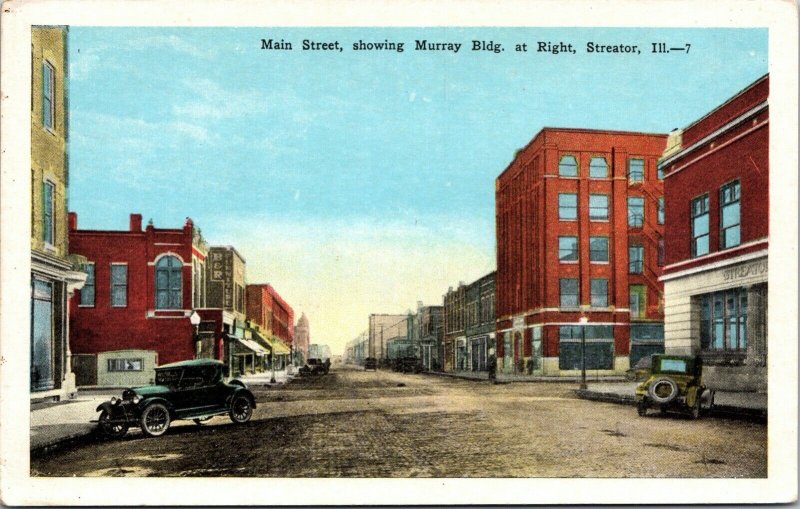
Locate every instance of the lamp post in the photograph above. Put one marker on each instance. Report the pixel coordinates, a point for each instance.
(194, 319)
(583, 321)
(272, 379)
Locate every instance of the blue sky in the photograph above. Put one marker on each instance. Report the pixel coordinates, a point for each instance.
(357, 182)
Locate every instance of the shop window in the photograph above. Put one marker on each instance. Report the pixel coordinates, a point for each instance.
(567, 206)
(699, 213)
(637, 297)
(598, 207)
(598, 249)
(168, 283)
(568, 249)
(125, 365)
(598, 168)
(119, 285)
(48, 95)
(635, 170)
(599, 289)
(568, 166)
(41, 335)
(646, 339)
(730, 232)
(635, 259)
(87, 292)
(569, 292)
(48, 209)
(660, 210)
(723, 320)
(635, 211)
(599, 344)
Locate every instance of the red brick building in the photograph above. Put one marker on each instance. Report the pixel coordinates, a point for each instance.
(717, 236)
(579, 216)
(272, 314)
(133, 311)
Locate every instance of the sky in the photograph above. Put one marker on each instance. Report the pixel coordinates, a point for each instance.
(357, 182)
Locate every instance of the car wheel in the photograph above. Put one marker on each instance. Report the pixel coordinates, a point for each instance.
(663, 390)
(201, 420)
(641, 409)
(155, 420)
(112, 429)
(241, 409)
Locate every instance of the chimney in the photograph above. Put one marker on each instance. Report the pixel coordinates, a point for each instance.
(72, 221)
(136, 223)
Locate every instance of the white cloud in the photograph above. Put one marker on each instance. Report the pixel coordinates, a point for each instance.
(210, 100)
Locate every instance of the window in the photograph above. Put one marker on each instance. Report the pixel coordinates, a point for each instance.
(168, 283)
(661, 252)
(119, 285)
(660, 210)
(660, 172)
(699, 213)
(87, 292)
(567, 206)
(569, 292)
(48, 198)
(635, 259)
(635, 211)
(598, 341)
(599, 293)
(723, 320)
(598, 207)
(730, 232)
(48, 93)
(598, 167)
(568, 166)
(598, 249)
(42, 313)
(635, 170)
(568, 249)
(637, 300)
(125, 365)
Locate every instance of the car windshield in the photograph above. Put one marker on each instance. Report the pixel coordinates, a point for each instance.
(168, 376)
(674, 365)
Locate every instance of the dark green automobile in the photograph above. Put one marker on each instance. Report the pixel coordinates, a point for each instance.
(675, 383)
(183, 390)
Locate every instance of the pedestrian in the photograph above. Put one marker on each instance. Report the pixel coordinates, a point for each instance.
(492, 366)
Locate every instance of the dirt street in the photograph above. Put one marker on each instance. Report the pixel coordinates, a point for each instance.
(352, 423)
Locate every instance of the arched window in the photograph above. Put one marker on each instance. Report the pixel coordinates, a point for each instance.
(168, 283)
(568, 166)
(598, 167)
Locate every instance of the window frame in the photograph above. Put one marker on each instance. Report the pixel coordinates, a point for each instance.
(567, 207)
(173, 294)
(591, 251)
(709, 319)
(706, 202)
(638, 248)
(89, 284)
(561, 165)
(114, 286)
(592, 293)
(634, 223)
(660, 216)
(631, 175)
(562, 295)
(591, 207)
(605, 167)
(48, 96)
(49, 212)
(116, 361)
(562, 250)
(736, 187)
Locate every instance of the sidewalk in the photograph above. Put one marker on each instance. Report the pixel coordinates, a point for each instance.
(282, 377)
(507, 378)
(743, 404)
(53, 424)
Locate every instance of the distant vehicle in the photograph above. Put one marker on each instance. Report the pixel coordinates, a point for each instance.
(410, 365)
(370, 363)
(675, 383)
(314, 367)
(183, 390)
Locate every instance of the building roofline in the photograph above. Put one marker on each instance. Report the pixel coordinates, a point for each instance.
(728, 101)
(229, 248)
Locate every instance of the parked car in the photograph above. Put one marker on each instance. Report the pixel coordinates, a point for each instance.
(641, 370)
(675, 383)
(192, 389)
(314, 367)
(370, 363)
(410, 365)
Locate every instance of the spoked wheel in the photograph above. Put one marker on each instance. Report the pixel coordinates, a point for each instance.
(112, 429)
(201, 420)
(241, 409)
(155, 420)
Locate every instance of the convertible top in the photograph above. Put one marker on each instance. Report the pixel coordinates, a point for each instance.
(192, 363)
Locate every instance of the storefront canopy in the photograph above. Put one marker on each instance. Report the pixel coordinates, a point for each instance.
(278, 346)
(253, 346)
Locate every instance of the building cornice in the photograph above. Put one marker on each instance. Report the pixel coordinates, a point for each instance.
(717, 265)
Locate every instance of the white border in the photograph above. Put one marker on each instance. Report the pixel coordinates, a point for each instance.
(18, 16)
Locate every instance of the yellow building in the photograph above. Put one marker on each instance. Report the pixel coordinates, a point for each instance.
(52, 276)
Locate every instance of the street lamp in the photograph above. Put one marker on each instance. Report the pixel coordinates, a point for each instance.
(583, 321)
(195, 321)
(272, 362)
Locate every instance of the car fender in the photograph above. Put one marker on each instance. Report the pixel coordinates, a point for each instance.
(107, 406)
(244, 391)
(149, 401)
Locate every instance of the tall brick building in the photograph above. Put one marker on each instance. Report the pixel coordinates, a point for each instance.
(579, 221)
(717, 231)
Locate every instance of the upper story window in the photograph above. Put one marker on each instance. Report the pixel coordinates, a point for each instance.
(635, 170)
(48, 95)
(635, 211)
(568, 249)
(168, 283)
(87, 292)
(660, 210)
(599, 296)
(568, 166)
(48, 221)
(699, 212)
(635, 259)
(598, 249)
(598, 168)
(567, 206)
(660, 172)
(568, 292)
(119, 285)
(598, 207)
(729, 214)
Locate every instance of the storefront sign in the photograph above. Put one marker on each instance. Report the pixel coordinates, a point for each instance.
(742, 271)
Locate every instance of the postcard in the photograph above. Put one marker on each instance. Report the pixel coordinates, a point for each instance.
(398, 253)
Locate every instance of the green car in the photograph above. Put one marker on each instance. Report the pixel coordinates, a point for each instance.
(675, 384)
(184, 390)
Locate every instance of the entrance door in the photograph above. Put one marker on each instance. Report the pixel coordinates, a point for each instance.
(41, 335)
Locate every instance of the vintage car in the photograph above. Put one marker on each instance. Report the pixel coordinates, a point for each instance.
(370, 363)
(314, 367)
(675, 383)
(183, 390)
(409, 365)
(641, 370)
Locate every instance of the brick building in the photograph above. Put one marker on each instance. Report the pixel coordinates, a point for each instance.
(133, 312)
(579, 221)
(480, 322)
(717, 237)
(430, 327)
(275, 318)
(454, 338)
(53, 278)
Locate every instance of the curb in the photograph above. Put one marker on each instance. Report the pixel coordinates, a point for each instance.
(539, 379)
(89, 436)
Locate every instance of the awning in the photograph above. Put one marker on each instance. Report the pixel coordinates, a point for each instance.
(252, 345)
(278, 346)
